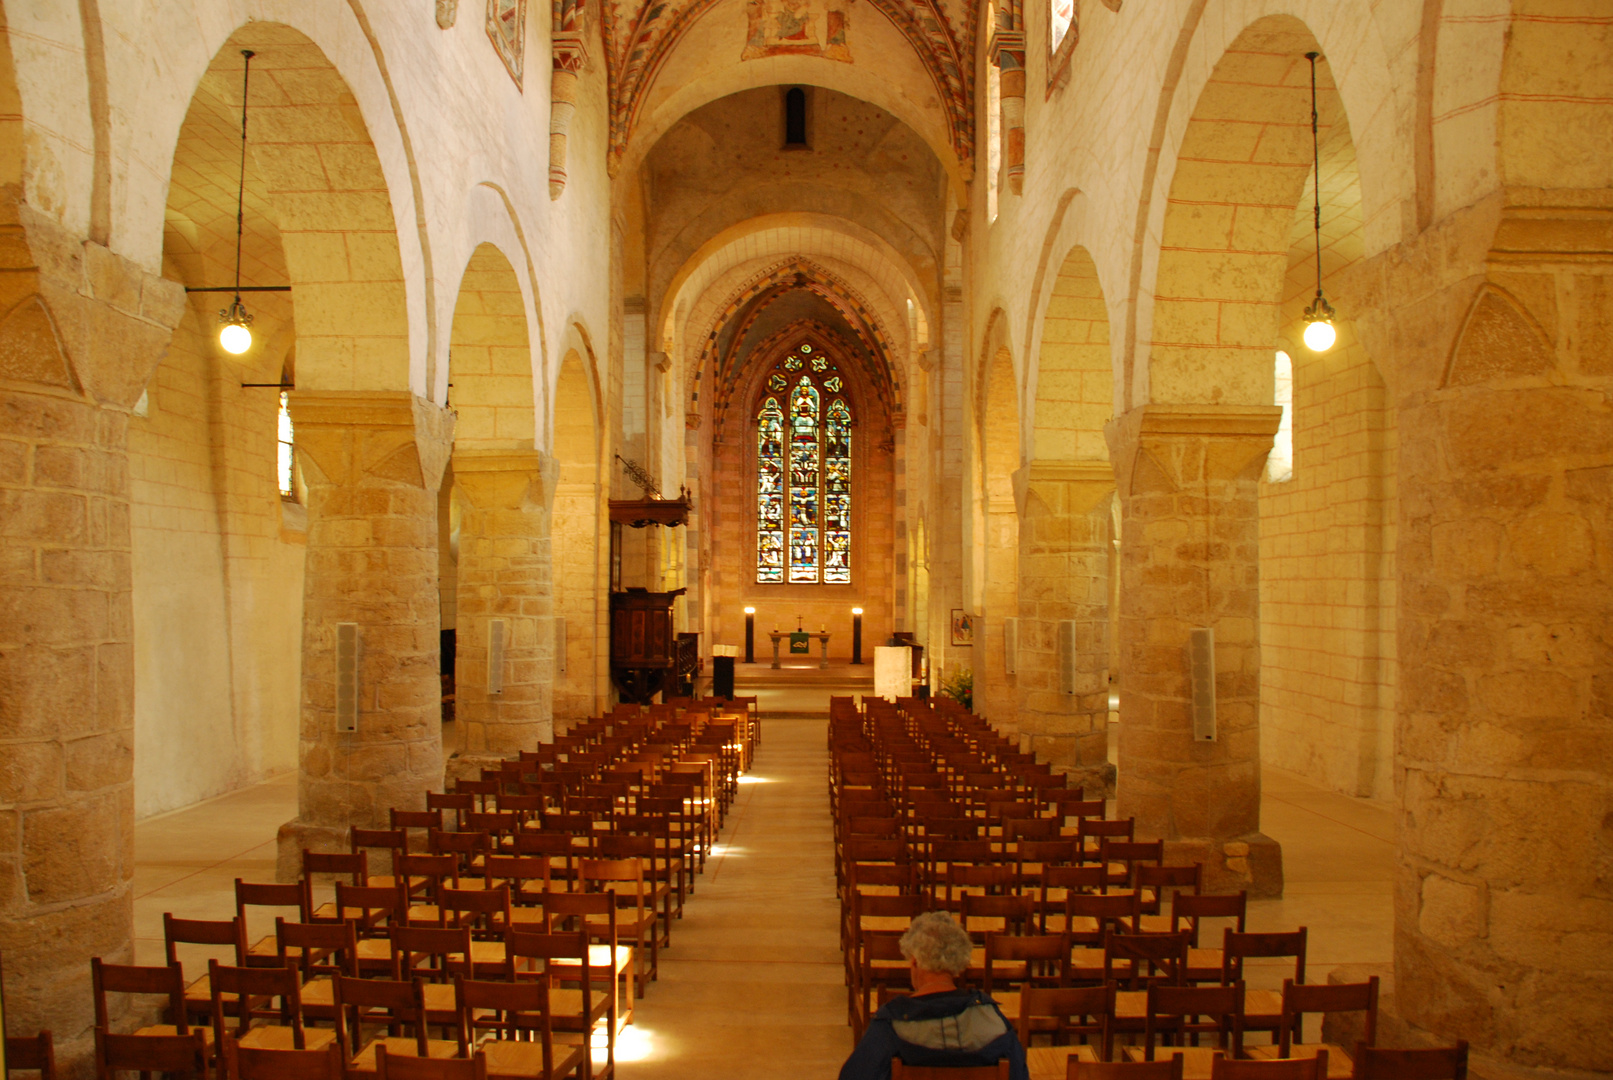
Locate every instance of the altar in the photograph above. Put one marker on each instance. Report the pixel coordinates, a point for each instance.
(785, 635)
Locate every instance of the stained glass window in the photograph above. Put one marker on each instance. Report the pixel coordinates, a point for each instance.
(803, 481)
(837, 495)
(770, 492)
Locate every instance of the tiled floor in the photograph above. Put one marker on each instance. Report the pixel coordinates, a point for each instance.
(752, 980)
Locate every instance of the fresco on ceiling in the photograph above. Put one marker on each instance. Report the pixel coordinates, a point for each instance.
(506, 25)
(796, 28)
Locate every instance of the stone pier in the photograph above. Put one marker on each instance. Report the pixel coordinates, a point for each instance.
(373, 462)
(1502, 318)
(1063, 606)
(1190, 557)
(504, 573)
(82, 332)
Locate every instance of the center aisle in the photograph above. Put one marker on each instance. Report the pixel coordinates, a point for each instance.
(752, 986)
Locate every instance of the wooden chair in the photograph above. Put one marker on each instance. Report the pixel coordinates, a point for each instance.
(880, 966)
(218, 934)
(392, 1004)
(1066, 1012)
(1263, 1009)
(1126, 1070)
(1121, 859)
(258, 1023)
(1177, 1016)
(166, 983)
(1058, 883)
(323, 951)
(983, 915)
(486, 914)
(1015, 963)
(1226, 1068)
(459, 802)
(510, 1010)
(176, 1055)
(1299, 999)
(1152, 883)
(295, 896)
(354, 868)
(564, 962)
(635, 918)
(257, 1063)
(1440, 1063)
(899, 1071)
(390, 843)
(435, 872)
(1204, 964)
(397, 1066)
(31, 1053)
(433, 955)
(1093, 831)
(372, 909)
(575, 911)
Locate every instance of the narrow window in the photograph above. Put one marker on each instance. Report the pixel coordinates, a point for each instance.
(1280, 465)
(1061, 15)
(994, 104)
(288, 456)
(795, 117)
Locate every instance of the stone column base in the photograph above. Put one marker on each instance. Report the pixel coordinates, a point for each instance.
(295, 835)
(470, 766)
(1252, 863)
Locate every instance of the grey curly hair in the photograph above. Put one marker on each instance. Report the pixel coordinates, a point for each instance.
(937, 943)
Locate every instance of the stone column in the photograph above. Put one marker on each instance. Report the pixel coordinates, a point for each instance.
(82, 332)
(1504, 898)
(1064, 608)
(373, 461)
(505, 573)
(1190, 557)
(995, 694)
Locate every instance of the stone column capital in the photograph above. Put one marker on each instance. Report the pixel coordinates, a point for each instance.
(1164, 447)
(352, 435)
(78, 317)
(506, 479)
(1071, 486)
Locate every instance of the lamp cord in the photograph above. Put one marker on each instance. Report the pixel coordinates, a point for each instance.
(240, 191)
(1316, 162)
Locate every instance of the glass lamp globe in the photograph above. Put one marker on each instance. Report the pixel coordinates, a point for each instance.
(234, 338)
(1320, 336)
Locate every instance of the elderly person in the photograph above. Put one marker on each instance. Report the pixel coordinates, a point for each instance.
(939, 1024)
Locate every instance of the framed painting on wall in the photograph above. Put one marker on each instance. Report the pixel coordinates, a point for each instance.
(963, 627)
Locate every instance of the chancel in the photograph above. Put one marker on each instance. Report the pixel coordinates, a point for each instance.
(1205, 406)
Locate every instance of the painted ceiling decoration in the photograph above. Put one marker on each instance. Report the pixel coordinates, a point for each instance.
(641, 35)
(764, 354)
(751, 299)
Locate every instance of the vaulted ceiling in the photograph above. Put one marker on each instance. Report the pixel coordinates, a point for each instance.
(640, 36)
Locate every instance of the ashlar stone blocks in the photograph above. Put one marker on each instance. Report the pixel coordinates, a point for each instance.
(504, 573)
(1190, 557)
(82, 331)
(1064, 581)
(373, 462)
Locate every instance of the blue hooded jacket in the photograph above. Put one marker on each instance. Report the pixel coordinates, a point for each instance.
(958, 1027)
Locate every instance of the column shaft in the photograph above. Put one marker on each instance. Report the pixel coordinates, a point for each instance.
(1064, 617)
(373, 462)
(504, 573)
(1190, 557)
(82, 333)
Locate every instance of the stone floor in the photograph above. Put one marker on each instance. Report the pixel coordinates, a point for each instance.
(754, 970)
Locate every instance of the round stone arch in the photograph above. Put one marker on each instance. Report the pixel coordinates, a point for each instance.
(340, 171)
(995, 547)
(1227, 35)
(579, 537)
